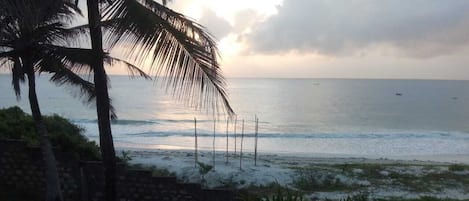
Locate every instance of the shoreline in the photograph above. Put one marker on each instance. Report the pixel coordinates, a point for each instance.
(326, 158)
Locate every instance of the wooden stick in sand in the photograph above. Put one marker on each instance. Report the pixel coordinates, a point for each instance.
(213, 145)
(195, 137)
(227, 123)
(255, 140)
(241, 148)
(236, 120)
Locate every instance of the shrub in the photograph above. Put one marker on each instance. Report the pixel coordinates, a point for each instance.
(362, 196)
(457, 167)
(285, 195)
(309, 180)
(281, 193)
(64, 135)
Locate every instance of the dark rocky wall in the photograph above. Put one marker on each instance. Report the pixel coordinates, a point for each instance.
(21, 169)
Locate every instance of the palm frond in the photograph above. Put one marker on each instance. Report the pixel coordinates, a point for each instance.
(17, 77)
(79, 60)
(34, 13)
(65, 63)
(63, 75)
(10, 60)
(181, 51)
(133, 70)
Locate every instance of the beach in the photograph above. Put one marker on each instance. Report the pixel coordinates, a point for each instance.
(326, 138)
(332, 177)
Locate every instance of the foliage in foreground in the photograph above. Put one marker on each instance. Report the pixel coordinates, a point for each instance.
(271, 192)
(64, 135)
(424, 198)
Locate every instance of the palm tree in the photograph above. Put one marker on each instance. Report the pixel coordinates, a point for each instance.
(26, 27)
(179, 49)
(30, 38)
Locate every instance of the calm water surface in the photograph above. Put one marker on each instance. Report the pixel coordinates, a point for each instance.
(380, 118)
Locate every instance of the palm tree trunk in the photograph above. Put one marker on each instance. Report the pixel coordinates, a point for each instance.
(53, 191)
(102, 101)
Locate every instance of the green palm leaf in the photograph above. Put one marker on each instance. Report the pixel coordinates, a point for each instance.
(180, 51)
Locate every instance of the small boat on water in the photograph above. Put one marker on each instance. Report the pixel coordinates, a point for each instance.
(398, 94)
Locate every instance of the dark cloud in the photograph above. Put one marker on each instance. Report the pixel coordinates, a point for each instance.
(418, 28)
(217, 26)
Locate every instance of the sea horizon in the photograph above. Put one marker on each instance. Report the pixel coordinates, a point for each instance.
(315, 116)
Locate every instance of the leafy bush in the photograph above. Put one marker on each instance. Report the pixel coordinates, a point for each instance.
(358, 197)
(457, 167)
(308, 180)
(64, 135)
(271, 192)
(282, 195)
(204, 168)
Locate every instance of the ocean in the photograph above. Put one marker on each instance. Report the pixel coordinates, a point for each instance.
(316, 117)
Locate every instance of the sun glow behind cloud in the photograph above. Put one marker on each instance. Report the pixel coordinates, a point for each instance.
(231, 11)
(352, 39)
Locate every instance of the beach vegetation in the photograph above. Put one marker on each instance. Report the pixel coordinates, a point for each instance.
(361, 196)
(271, 192)
(458, 167)
(313, 178)
(370, 170)
(285, 195)
(31, 39)
(418, 179)
(125, 156)
(423, 198)
(161, 172)
(204, 168)
(63, 135)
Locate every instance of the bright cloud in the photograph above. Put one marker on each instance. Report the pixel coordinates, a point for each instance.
(417, 28)
(425, 39)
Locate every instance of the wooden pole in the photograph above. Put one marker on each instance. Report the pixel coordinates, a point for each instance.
(213, 145)
(226, 154)
(195, 136)
(255, 140)
(241, 148)
(236, 120)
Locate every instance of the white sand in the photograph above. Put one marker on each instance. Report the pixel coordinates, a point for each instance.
(182, 163)
(280, 169)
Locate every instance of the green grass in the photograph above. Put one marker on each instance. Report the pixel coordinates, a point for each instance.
(270, 192)
(424, 198)
(458, 167)
(309, 183)
(431, 178)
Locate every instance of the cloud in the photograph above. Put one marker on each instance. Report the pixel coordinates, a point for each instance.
(216, 25)
(244, 19)
(417, 28)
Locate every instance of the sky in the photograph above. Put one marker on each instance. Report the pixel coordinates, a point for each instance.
(392, 39)
(422, 39)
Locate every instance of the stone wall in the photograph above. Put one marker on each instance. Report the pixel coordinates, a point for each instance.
(22, 169)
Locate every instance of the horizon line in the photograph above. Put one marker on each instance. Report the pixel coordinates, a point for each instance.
(330, 78)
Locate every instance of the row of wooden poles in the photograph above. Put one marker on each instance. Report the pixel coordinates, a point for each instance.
(256, 136)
